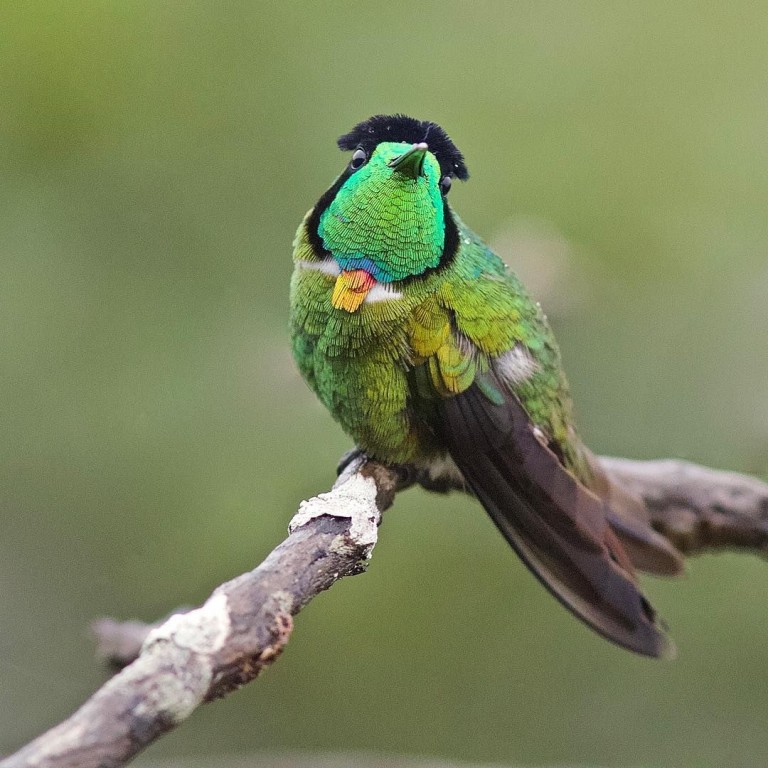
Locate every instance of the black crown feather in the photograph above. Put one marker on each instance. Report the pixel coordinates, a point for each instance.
(371, 132)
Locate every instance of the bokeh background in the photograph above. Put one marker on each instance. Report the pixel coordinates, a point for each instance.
(156, 158)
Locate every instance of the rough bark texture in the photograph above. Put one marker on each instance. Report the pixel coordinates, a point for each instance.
(202, 654)
(695, 507)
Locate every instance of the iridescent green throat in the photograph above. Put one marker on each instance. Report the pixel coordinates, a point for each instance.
(385, 222)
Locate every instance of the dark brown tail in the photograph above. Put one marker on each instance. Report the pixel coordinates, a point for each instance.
(648, 550)
(556, 525)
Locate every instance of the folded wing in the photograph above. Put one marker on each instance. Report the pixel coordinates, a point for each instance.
(556, 525)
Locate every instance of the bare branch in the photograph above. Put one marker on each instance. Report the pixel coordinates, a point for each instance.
(205, 653)
(242, 628)
(698, 508)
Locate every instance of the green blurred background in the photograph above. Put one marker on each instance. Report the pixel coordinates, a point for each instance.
(155, 439)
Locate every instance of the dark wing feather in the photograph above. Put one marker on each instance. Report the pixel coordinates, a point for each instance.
(630, 520)
(556, 525)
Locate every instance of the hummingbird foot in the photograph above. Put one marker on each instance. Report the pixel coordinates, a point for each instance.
(437, 477)
(353, 456)
(403, 475)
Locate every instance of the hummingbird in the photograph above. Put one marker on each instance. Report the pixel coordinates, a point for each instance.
(430, 353)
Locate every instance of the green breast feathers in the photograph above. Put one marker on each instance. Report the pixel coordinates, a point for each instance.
(374, 355)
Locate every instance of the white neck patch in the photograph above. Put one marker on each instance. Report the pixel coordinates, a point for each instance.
(379, 292)
(326, 266)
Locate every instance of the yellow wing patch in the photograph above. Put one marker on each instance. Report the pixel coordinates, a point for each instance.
(451, 364)
(430, 329)
(452, 369)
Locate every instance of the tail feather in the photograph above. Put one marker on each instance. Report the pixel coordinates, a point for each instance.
(556, 525)
(630, 519)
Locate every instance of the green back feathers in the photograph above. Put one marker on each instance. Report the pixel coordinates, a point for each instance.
(384, 222)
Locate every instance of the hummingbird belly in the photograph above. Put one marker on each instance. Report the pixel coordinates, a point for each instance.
(359, 363)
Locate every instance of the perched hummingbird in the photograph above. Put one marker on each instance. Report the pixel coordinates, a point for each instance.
(429, 352)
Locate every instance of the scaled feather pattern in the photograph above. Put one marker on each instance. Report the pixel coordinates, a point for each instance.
(453, 368)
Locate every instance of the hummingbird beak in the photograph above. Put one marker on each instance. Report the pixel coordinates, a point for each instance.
(410, 163)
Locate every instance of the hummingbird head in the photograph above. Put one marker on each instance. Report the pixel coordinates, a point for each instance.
(386, 217)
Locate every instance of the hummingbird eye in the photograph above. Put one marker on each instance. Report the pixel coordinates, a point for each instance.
(445, 184)
(359, 159)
